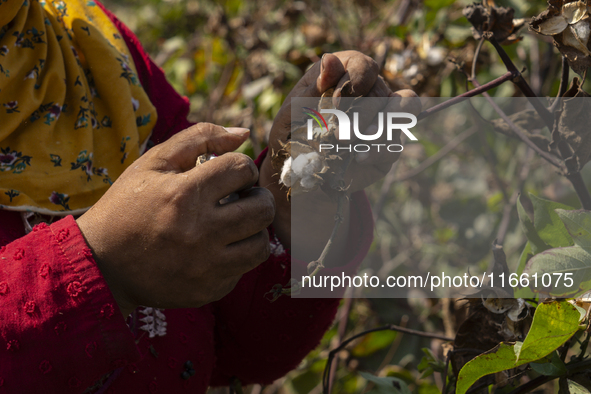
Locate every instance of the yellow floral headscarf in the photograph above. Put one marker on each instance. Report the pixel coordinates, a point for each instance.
(73, 114)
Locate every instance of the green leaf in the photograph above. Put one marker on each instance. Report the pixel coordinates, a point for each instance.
(423, 365)
(574, 261)
(429, 364)
(554, 367)
(575, 388)
(536, 243)
(373, 342)
(553, 324)
(578, 225)
(387, 385)
(498, 359)
(548, 224)
(548, 265)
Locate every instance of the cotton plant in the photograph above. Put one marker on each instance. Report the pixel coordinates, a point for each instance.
(302, 166)
(568, 24)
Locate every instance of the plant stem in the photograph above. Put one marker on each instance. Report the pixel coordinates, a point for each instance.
(563, 78)
(341, 333)
(520, 82)
(390, 327)
(444, 375)
(548, 157)
(563, 85)
(338, 220)
(474, 92)
(475, 58)
(508, 208)
(540, 380)
(451, 145)
(572, 174)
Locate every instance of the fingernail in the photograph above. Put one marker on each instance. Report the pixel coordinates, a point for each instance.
(361, 156)
(241, 131)
(322, 63)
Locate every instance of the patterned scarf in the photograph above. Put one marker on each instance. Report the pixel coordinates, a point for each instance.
(73, 114)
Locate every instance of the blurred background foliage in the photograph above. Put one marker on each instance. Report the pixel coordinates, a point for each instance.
(237, 61)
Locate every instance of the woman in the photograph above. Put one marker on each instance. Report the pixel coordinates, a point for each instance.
(81, 102)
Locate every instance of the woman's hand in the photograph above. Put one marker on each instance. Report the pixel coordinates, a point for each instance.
(351, 74)
(161, 237)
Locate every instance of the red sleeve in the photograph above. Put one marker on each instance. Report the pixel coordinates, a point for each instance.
(172, 108)
(61, 327)
(259, 341)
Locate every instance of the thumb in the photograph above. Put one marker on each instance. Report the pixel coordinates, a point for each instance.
(331, 70)
(180, 152)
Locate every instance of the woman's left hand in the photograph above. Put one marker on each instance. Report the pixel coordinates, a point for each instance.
(351, 74)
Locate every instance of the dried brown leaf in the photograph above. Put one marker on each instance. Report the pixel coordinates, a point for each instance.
(552, 26)
(573, 124)
(577, 36)
(479, 331)
(540, 22)
(568, 23)
(574, 12)
(527, 121)
(577, 60)
(498, 20)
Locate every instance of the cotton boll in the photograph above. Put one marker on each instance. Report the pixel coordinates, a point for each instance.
(286, 173)
(305, 167)
(301, 164)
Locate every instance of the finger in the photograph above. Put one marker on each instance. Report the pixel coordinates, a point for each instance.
(403, 101)
(362, 73)
(180, 152)
(381, 99)
(380, 88)
(253, 212)
(366, 108)
(330, 70)
(250, 252)
(409, 101)
(226, 174)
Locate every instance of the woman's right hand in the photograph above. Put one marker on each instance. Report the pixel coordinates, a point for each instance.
(161, 237)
